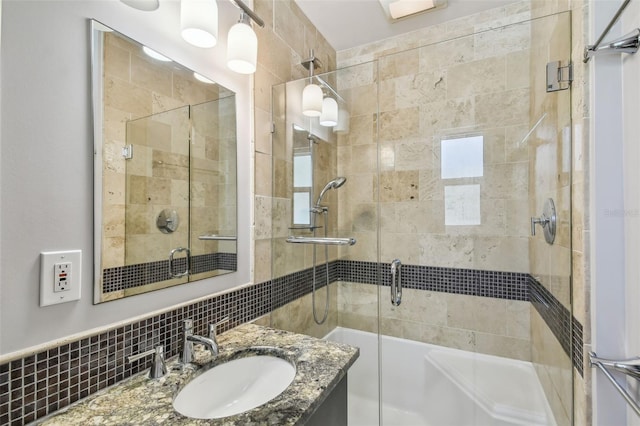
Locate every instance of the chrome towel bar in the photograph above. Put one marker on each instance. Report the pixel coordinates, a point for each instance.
(322, 241)
(630, 367)
(217, 237)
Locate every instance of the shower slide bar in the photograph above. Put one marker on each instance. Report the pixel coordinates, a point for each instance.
(322, 241)
(216, 237)
(630, 367)
(628, 43)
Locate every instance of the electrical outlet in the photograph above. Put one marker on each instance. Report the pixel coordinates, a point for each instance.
(60, 276)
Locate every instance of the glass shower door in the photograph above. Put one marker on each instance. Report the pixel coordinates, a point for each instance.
(470, 145)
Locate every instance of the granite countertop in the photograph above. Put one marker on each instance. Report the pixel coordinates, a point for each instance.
(320, 365)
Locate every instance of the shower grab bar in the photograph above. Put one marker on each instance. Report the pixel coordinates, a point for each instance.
(217, 237)
(322, 241)
(630, 367)
(396, 282)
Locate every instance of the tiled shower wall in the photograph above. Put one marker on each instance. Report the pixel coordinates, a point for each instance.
(431, 90)
(158, 181)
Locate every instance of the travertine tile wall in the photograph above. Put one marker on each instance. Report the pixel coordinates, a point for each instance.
(454, 85)
(136, 86)
(284, 42)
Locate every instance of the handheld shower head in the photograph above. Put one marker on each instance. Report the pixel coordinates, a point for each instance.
(334, 184)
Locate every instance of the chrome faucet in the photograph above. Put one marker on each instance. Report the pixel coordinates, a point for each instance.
(189, 339)
(159, 367)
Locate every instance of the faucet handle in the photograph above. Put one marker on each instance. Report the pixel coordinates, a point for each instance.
(213, 328)
(187, 326)
(159, 367)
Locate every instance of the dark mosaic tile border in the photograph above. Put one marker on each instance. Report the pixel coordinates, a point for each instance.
(34, 386)
(565, 327)
(124, 277)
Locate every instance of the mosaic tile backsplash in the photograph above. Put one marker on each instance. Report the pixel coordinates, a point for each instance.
(39, 384)
(130, 276)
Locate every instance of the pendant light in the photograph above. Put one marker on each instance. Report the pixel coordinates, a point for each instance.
(242, 42)
(329, 116)
(312, 93)
(343, 119)
(199, 22)
(242, 47)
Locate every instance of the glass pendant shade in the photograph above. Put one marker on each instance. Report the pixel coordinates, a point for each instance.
(329, 116)
(199, 22)
(343, 121)
(312, 100)
(242, 49)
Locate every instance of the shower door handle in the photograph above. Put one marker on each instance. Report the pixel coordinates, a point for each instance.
(171, 255)
(396, 282)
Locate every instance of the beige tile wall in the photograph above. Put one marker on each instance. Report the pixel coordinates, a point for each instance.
(136, 86)
(466, 86)
(284, 43)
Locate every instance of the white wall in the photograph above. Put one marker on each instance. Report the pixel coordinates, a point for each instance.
(615, 234)
(631, 147)
(46, 163)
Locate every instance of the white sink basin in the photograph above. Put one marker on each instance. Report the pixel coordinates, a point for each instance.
(234, 387)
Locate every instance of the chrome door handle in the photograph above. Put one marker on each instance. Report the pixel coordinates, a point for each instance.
(396, 282)
(171, 255)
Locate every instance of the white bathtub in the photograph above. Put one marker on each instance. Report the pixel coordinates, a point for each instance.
(424, 384)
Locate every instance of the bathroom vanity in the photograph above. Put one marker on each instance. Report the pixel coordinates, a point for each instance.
(317, 394)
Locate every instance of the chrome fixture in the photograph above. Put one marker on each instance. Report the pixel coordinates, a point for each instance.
(630, 367)
(547, 220)
(187, 268)
(188, 339)
(167, 221)
(628, 43)
(559, 76)
(159, 367)
(213, 331)
(334, 184)
(324, 211)
(217, 237)
(321, 240)
(396, 282)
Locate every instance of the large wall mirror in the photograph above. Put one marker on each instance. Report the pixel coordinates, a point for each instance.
(165, 170)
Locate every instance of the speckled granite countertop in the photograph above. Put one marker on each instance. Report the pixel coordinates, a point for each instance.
(320, 365)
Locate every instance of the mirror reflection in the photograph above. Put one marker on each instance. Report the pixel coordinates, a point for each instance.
(165, 170)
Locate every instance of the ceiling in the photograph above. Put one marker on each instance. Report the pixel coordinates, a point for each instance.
(349, 23)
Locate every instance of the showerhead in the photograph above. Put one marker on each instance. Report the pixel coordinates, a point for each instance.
(334, 184)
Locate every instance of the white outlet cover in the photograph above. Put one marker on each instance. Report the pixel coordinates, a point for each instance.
(47, 273)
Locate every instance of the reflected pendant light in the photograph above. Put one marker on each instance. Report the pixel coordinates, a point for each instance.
(199, 22)
(312, 100)
(242, 47)
(329, 116)
(312, 93)
(343, 120)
